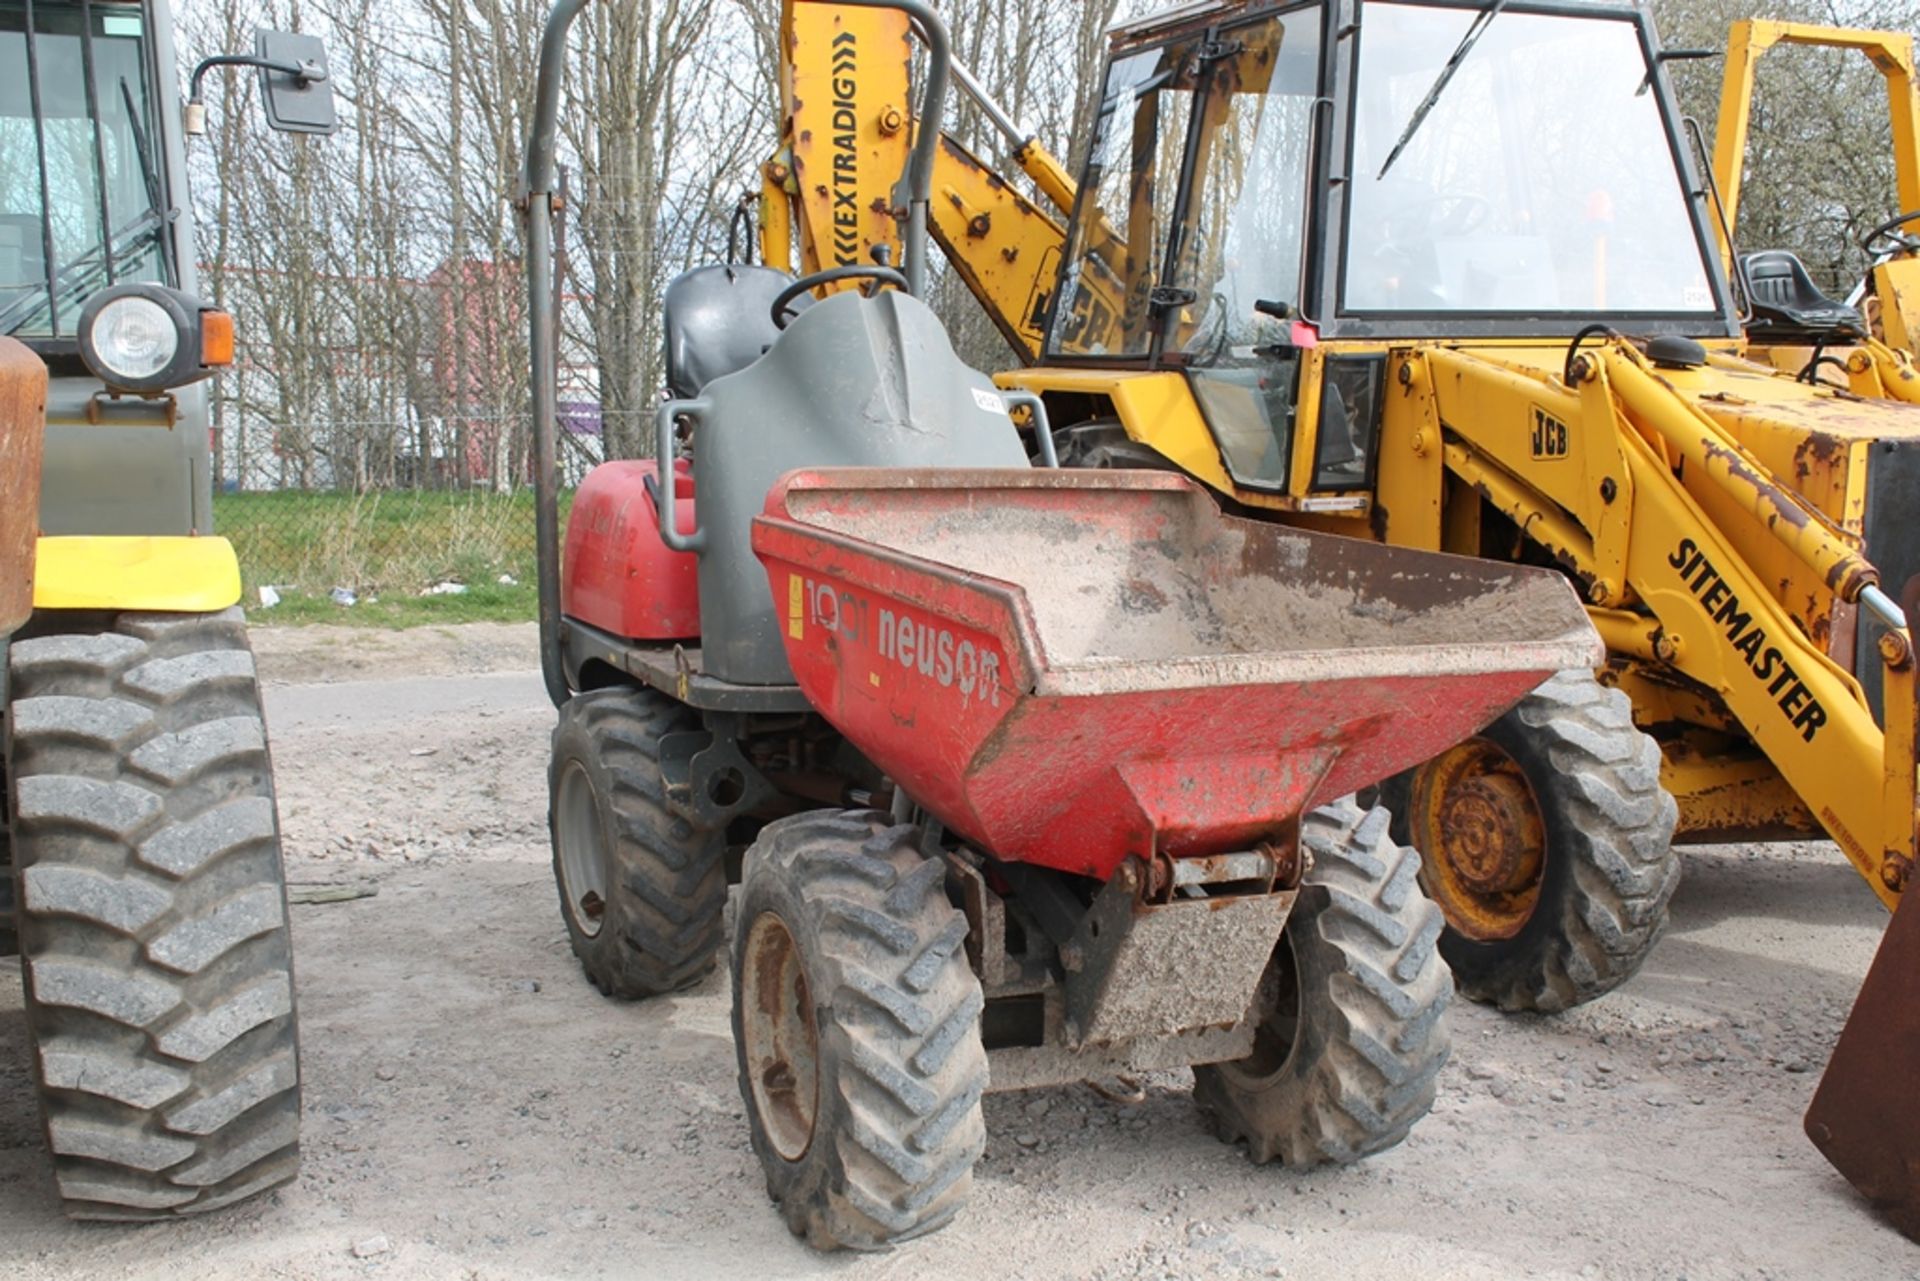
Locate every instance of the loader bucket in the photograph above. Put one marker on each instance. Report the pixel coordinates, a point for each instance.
(1863, 1116)
(1071, 667)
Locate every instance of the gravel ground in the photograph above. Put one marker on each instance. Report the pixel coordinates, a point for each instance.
(474, 1110)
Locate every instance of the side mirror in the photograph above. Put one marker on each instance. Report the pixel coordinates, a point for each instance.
(294, 84)
(296, 101)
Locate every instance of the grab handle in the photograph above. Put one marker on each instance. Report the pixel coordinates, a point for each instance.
(1042, 430)
(671, 412)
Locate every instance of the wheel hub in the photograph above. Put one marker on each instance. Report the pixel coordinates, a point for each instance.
(583, 849)
(779, 1039)
(1478, 828)
(1491, 833)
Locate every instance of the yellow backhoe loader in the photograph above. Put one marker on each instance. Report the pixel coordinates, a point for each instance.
(1391, 270)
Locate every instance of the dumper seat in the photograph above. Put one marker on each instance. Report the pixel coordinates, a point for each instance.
(717, 321)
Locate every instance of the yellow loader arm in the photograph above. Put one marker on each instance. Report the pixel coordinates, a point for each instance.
(827, 197)
(844, 137)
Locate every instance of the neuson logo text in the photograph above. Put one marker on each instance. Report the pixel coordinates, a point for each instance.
(846, 151)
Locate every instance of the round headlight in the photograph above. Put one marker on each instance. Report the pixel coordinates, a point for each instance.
(143, 339)
(134, 338)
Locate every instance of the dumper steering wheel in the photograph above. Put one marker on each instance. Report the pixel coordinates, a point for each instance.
(783, 309)
(1889, 231)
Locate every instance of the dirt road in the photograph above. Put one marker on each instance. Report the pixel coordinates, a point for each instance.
(474, 1110)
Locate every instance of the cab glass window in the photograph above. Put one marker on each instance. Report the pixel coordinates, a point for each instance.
(1127, 208)
(1541, 178)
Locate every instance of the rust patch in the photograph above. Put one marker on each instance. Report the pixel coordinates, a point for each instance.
(23, 422)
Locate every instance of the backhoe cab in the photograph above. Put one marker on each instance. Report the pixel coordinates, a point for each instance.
(1448, 277)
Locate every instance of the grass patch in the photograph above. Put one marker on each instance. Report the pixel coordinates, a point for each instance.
(387, 548)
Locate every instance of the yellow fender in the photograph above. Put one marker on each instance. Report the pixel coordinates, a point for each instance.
(173, 575)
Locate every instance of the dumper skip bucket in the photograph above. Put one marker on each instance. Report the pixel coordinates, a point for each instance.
(1069, 668)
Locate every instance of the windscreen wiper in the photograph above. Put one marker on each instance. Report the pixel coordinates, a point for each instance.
(143, 152)
(1481, 21)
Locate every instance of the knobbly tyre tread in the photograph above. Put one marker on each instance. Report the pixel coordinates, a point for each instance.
(153, 918)
(667, 881)
(1373, 1034)
(1611, 865)
(902, 1065)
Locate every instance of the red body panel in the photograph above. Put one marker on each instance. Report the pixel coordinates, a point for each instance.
(1067, 719)
(618, 575)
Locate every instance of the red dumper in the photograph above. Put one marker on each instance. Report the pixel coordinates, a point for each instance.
(1019, 776)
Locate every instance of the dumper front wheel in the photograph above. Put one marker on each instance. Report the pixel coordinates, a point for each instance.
(856, 1021)
(641, 888)
(1548, 844)
(1352, 1029)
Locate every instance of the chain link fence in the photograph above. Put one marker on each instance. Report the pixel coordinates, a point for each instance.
(390, 523)
(383, 557)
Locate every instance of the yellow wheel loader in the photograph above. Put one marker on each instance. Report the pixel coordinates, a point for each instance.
(1395, 270)
(140, 871)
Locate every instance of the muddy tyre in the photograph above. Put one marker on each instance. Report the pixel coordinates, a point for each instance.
(1100, 444)
(1570, 909)
(856, 1021)
(1352, 1010)
(641, 888)
(153, 919)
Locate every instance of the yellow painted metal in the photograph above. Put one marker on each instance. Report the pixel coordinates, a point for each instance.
(166, 575)
(1870, 368)
(1898, 780)
(1158, 410)
(1894, 291)
(1050, 177)
(1161, 399)
(1727, 791)
(1891, 53)
(777, 192)
(1572, 479)
(843, 95)
(1004, 247)
(1537, 517)
(1411, 498)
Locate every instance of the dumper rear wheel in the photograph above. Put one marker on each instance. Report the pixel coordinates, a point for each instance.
(1548, 844)
(1352, 1032)
(152, 914)
(641, 888)
(856, 1021)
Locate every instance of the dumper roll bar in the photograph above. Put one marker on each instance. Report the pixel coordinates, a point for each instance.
(912, 199)
(536, 207)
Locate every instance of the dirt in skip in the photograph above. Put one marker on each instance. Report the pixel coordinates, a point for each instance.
(474, 1109)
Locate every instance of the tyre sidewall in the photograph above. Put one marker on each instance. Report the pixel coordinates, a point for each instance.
(573, 741)
(773, 887)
